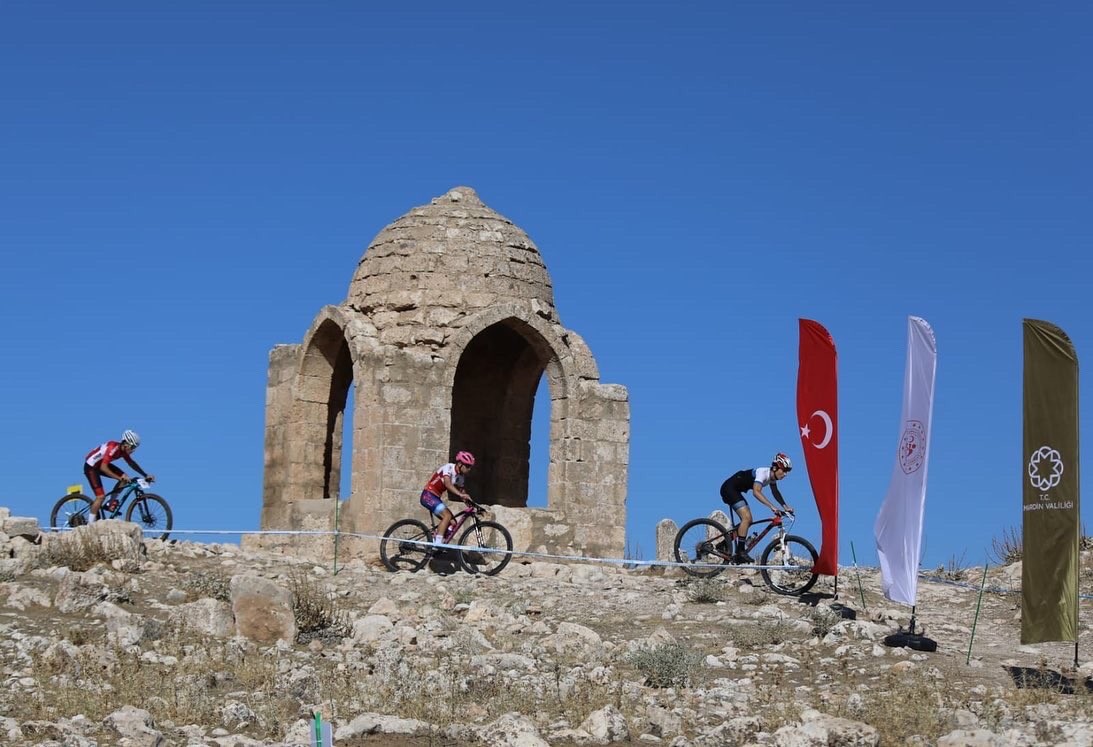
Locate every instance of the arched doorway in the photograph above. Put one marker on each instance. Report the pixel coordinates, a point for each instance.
(493, 400)
(326, 381)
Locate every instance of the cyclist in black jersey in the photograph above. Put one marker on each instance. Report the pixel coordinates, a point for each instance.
(733, 490)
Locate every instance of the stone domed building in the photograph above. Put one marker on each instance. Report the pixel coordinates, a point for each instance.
(447, 329)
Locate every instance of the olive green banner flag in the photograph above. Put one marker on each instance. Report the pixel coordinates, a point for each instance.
(1049, 478)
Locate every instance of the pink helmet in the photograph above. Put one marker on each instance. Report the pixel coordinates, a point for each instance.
(465, 457)
(781, 460)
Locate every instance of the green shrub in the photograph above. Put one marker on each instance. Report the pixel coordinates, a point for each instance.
(666, 665)
(823, 620)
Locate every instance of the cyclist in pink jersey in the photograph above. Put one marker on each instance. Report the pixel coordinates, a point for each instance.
(447, 478)
(98, 463)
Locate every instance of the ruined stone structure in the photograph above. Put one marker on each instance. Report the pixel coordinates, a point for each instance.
(448, 326)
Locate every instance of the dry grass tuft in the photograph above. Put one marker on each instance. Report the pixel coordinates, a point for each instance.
(705, 591)
(1007, 548)
(956, 569)
(316, 612)
(81, 551)
(757, 633)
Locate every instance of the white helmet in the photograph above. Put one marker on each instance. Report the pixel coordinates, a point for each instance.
(781, 460)
(131, 438)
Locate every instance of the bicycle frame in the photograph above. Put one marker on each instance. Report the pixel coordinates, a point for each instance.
(458, 520)
(132, 489)
(771, 523)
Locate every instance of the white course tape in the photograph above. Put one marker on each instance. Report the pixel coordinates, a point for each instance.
(548, 556)
(514, 553)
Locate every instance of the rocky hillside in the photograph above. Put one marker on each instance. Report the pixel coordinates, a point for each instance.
(112, 640)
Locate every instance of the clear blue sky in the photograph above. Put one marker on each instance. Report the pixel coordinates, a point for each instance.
(182, 189)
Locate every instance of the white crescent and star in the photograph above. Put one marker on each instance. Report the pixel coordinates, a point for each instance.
(806, 431)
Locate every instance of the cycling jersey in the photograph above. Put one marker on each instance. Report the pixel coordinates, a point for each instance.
(108, 452)
(436, 482)
(99, 458)
(733, 489)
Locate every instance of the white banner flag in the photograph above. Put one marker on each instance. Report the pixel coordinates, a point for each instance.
(899, 524)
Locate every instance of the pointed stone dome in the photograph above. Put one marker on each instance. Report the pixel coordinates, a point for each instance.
(442, 261)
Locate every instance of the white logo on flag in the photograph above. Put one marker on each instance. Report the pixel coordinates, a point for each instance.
(1045, 468)
(912, 447)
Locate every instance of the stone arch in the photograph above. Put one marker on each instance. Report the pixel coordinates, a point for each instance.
(323, 377)
(495, 365)
(450, 312)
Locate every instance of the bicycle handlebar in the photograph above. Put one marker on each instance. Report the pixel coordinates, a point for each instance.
(784, 517)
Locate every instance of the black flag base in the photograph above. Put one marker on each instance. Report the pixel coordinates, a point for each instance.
(1048, 679)
(910, 639)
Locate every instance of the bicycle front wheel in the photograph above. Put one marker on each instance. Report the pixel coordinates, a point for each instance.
(705, 543)
(791, 572)
(152, 513)
(71, 511)
(405, 546)
(486, 548)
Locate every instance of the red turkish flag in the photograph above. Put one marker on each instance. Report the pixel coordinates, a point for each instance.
(818, 418)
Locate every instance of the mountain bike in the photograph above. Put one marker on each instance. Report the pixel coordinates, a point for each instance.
(149, 510)
(484, 547)
(786, 563)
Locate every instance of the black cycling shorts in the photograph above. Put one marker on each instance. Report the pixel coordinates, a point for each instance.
(733, 489)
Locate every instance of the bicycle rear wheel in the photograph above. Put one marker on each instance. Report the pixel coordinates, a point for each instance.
(706, 543)
(486, 548)
(405, 546)
(151, 512)
(71, 511)
(795, 576)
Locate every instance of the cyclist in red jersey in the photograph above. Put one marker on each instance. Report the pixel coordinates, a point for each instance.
(98, 463)
(447, 478)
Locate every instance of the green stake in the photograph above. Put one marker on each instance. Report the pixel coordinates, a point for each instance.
(318, 730)
(975, 619)
(861, 591)
(337, 504)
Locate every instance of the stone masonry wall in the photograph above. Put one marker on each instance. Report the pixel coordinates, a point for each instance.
(451, 310)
